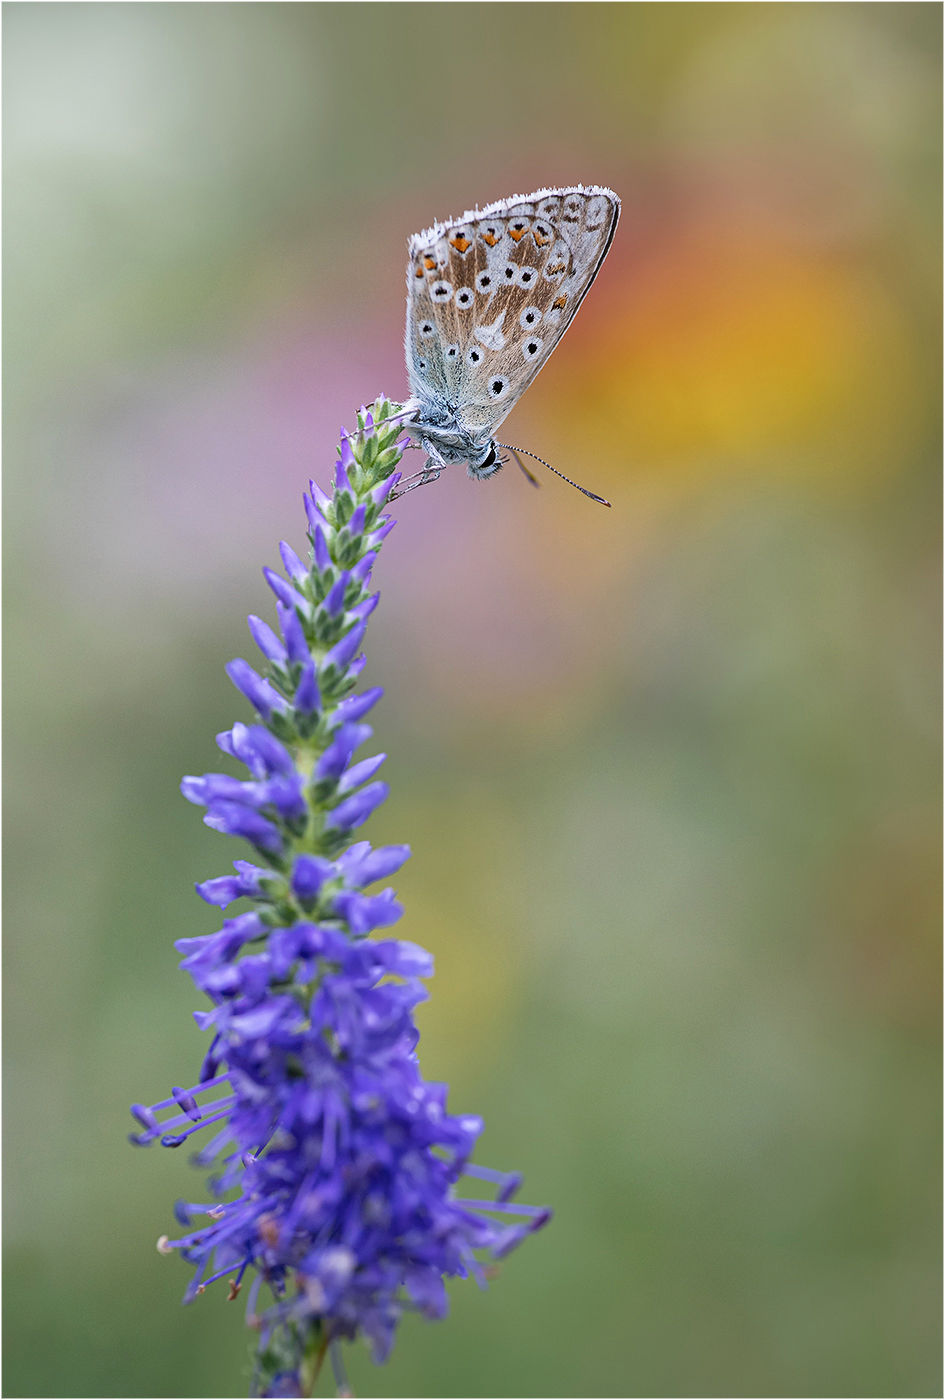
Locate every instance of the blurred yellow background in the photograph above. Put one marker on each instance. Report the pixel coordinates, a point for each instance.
(670, 771)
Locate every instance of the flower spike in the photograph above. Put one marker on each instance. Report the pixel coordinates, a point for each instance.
(336, 1164)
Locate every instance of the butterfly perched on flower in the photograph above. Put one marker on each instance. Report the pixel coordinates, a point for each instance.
(488, 298)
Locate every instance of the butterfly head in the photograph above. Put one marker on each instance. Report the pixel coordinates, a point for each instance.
(448, 442)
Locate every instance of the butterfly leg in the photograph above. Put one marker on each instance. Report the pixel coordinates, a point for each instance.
(429, 472)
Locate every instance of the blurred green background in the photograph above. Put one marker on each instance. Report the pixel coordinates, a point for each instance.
(670, 772)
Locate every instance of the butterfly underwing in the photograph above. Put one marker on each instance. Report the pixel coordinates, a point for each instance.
(489, 296)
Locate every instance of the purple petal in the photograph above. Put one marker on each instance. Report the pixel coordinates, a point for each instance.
(361, 772)
(309, 873)
(374, 538)
(221, 891)
(310, 511)
(357, 705)
(266, 640)
(356, 809)
(336, 594)
(320, 549)
(296, 645)
(260, 751)
(363, 568)
(284, 792)
(365, 912)
(356, 523)
(401, 957)
(380, 493)
(362, 866)
(293, 564)
(363, 610)
(318, 496)
(235, 820)
(257, 691)
(343, 651)
(345, 454)
(284, 591)
(335, 758)
(307, 695)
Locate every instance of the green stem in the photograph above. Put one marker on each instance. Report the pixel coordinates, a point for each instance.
(313, 1362)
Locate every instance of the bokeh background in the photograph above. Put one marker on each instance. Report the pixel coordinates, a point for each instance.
(670, 771)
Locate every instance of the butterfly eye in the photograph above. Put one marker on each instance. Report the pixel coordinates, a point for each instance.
(531, 348)
(483, 282)
(529, 317)
(427, 329)
(525, 276)
(509, 271)
(497, 387)
(473, 356)
(464, 297)
(441, 291)
(452, 352)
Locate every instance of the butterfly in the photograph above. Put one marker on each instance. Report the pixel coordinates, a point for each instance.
(488, 298)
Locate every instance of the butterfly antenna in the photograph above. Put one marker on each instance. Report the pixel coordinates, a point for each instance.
(516, 450)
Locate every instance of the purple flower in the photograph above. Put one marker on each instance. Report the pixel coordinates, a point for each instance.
(343, 651)
(336, 1166)
(266, 640)
(355, 810)
(307, 694)
(283, 591)
(223, 890)
(295, 644)
(309, 873)
(336, 594)
(257, 691)
(335, 758)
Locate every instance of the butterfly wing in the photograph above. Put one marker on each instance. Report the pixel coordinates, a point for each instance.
(490, 295)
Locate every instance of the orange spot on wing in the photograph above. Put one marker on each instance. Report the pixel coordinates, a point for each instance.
(558, 304)
(517, 233)
(541, 238)
(460, 243)
(429, 262)
(419, 272)
(490, 238)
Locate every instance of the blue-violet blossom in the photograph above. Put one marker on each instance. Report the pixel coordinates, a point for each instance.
(336, 1163)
